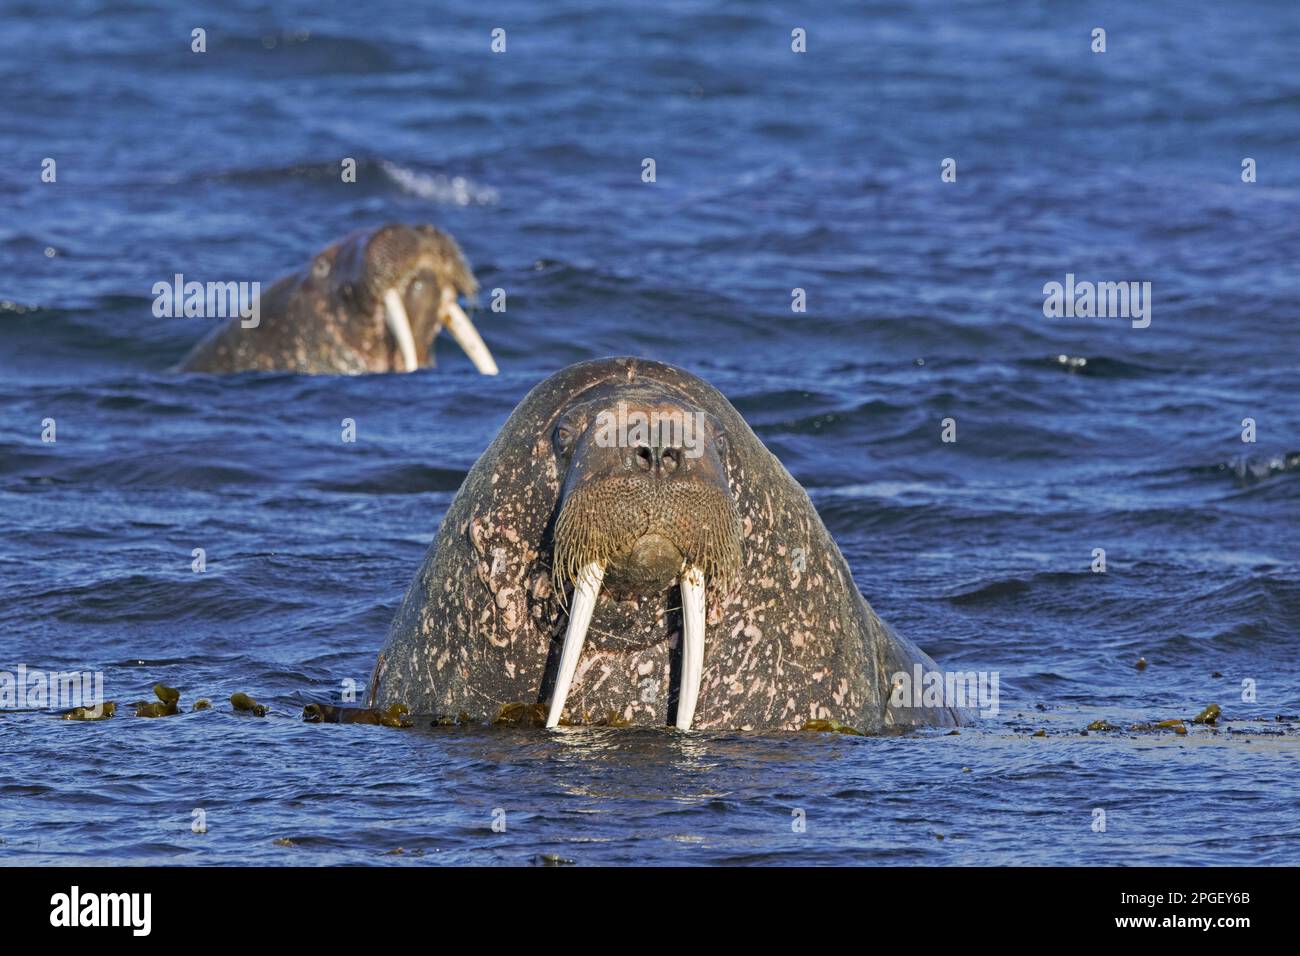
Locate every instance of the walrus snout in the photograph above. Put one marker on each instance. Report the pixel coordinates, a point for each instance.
(413, 276)
(378, 260)
(645, 493)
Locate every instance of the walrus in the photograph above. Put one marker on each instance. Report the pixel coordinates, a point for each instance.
(372, 302)
(627, 551)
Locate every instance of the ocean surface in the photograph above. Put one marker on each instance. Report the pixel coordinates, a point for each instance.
(775, 171)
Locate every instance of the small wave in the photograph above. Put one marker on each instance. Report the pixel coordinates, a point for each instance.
(993, 593)
(153, 663)
(139, 471)
(439, 187)
(1014, 589)
(134, 599)
(399, 480)
(302, 53)
(15, 458)
(1101, 366)
(272, 175)
(1253, 468)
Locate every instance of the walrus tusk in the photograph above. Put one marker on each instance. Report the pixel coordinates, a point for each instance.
(467, 337)
(692, 584)
(400, 325)
(585, 590)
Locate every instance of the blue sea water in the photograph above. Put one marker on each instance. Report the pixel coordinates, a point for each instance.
(775, 171)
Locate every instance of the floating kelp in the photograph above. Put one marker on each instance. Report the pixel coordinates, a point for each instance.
(518, 712)
(1210, 715)
(319, 714)
(242, 702)
(522, 714)
(832, 727)
(1175, 724)
(394, 715)
(201, 704)
(165, 706)
(104, 711)
(447, 720)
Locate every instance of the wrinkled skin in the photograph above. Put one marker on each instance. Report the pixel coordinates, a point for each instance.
(789, 637)
(329, 317)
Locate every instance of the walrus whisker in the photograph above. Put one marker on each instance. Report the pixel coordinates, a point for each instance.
(399, 323)
(585, 591)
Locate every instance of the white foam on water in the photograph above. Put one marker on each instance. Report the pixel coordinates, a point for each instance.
(439, 188)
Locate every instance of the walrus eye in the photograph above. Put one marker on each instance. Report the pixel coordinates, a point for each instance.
(720, 442)
(563, 439)
(321, 268)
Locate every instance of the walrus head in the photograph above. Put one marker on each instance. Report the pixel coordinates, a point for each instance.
(645, 503)
(408, 278)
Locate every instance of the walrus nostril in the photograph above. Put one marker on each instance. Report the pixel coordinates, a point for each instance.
(663, 461)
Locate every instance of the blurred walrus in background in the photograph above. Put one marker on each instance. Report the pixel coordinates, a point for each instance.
(373, 302)
(706, 592)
